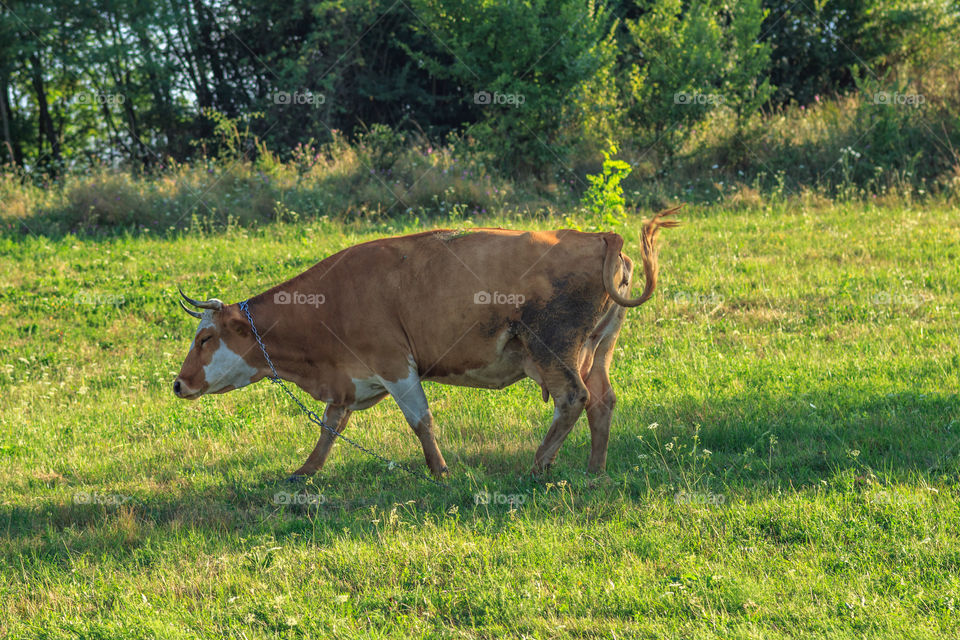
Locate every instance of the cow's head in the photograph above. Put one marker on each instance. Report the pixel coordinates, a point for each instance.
(223, 355)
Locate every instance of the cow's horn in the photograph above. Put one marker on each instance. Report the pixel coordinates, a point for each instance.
(212, 303)
(195, 314)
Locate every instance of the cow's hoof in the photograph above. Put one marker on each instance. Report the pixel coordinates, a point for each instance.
(295, 478)
(444, 472)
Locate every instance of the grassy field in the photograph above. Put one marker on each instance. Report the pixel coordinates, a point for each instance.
(783, 459)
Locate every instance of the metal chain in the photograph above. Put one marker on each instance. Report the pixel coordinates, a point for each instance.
(391, 464)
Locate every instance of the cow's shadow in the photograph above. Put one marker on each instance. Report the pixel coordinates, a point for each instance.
(755, 441)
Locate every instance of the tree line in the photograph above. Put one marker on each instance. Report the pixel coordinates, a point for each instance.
(528, 82)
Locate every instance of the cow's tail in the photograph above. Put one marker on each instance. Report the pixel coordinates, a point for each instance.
(611, 266)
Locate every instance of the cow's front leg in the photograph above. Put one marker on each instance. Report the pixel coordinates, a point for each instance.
(336, 417)
(408, 392)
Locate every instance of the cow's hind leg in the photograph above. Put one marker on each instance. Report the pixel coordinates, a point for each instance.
(336, 417)
(599, 410)
(602, 399)
(569, 397)
(413, 403)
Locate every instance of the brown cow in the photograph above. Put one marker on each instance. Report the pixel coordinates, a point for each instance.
(479, 308)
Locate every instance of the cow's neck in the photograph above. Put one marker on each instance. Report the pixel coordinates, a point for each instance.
(286, 332)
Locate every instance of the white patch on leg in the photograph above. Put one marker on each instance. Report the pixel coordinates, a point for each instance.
(226, 369)
(408, 392)
(365, 390)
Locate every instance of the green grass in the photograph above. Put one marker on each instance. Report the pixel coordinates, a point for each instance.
(783, 461)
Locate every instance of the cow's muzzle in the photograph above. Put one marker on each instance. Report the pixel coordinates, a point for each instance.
(181, 390)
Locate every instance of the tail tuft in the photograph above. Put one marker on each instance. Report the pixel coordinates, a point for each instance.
(650, 251)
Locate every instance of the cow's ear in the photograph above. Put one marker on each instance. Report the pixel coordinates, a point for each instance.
(239, 326)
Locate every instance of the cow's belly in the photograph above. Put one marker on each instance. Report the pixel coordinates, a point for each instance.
(502, 371)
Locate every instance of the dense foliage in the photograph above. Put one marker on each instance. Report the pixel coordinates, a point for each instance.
(530, 84)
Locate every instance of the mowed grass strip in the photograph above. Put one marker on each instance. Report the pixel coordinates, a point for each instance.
(783, 460)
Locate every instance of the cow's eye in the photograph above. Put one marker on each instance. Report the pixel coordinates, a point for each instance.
(202, 340)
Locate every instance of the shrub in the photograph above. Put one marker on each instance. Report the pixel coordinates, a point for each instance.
(523, 68)
(380, 147)
(681, 63)
(604, 197)
(110, 199)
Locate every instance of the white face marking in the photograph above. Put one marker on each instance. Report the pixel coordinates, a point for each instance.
(408, 392)
(227, 368)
